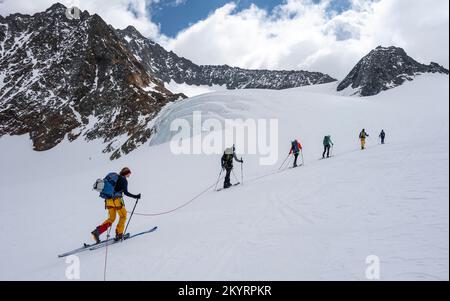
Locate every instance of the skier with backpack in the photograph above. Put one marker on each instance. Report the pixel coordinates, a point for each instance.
(327, 143)
(227, 164)
(296, 147)
(112, 189)
(362, 136)
(382, 136)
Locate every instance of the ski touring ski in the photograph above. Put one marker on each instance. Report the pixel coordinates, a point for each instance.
(292, 167)
(326, 158)
(220, 189)
(103, 243)
(126, 237)
(85, 247)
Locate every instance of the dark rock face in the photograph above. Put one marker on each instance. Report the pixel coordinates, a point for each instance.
(383, 69)
(168, 66)
(77, 78)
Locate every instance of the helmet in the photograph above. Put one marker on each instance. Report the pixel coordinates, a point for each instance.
(229, 151)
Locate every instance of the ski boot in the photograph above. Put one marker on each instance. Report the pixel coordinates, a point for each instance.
(96, 235)
(119, 237)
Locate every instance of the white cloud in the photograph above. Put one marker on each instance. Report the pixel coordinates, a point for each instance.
(421, 27)
(296, 35)
(180, 2)
(302, 35)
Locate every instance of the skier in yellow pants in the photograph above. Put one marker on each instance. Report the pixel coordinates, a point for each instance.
(362, 136)
(116, 206)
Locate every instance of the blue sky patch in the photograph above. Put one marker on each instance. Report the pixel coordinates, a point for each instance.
(174, 16)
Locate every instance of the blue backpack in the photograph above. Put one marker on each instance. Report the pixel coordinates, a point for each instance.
(107, 185)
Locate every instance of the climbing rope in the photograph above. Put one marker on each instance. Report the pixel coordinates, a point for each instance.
(205, 191)
(179, 207)
(106, 254)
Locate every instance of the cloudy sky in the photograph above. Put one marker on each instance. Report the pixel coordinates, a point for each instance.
(317, 35)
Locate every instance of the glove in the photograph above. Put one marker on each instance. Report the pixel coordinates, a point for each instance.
(242, 161)
(138, 196)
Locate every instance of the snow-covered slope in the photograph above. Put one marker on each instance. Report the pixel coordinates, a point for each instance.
(317, 222)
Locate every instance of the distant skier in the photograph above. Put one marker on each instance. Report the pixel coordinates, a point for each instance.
(362, 136)
(327, 143)
(296, 147)
(382, 136)
(227, 164)
(116, 205)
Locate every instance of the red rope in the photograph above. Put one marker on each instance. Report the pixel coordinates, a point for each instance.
(179, 207)
(199, 195)
(195, 198)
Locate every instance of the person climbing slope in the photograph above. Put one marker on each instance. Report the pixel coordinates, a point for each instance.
(362, 136)
(115, 204)
(382, 136)
(327, 143)
(227, 164)
(296, 147)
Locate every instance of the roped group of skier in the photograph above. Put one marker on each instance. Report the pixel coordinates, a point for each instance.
(114, 186)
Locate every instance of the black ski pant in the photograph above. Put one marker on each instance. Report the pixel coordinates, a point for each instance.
(227, 182)
(382, 140)
(295, 159)
(326, 150)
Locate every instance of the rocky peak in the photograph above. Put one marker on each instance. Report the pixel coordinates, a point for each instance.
(56, 8)
(168, 66)
(64, 78)
(132, 32)
(385, 68)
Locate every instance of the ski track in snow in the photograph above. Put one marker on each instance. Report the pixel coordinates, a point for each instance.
(317, 222)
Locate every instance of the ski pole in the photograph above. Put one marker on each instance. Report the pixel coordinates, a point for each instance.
(220, 175)
(132, 212)
(236, 178)
(284, 162)
(242, 171)
(303, 159)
